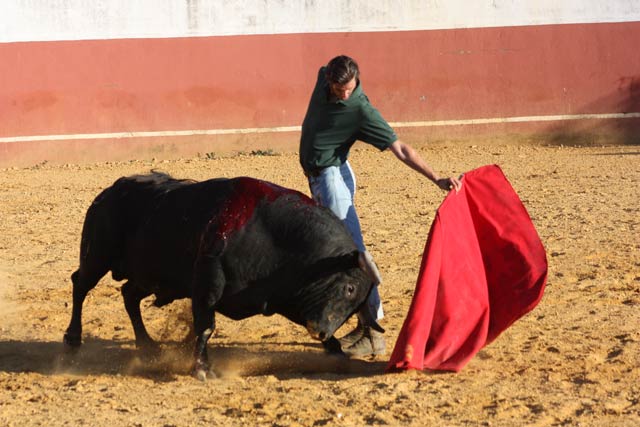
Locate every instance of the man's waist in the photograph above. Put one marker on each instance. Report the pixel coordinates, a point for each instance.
(313, 173)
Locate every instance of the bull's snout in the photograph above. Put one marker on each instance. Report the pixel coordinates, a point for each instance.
(316, 332)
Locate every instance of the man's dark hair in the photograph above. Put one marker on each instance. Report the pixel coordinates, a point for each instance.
(341, 69)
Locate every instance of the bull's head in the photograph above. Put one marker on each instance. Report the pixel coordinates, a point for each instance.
(335, 289)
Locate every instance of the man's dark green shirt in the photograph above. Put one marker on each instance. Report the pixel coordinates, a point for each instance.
(332, 126)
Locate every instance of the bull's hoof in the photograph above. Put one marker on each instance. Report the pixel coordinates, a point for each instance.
(200, 375)
(149, 349)
(203, 374)
(72, 341)
(202, 370)
(332, 346)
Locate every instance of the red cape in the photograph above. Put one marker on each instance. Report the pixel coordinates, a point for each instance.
(483, 268)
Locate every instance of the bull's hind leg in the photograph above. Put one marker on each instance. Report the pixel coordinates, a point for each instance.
(82, 284)
(132, 297)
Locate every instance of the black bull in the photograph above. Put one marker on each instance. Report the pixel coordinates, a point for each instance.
(237, 246)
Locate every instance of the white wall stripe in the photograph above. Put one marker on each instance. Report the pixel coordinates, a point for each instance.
(241, 131)
(523, 119)
(50, 20)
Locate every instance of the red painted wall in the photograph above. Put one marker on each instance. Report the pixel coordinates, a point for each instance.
(72, 87)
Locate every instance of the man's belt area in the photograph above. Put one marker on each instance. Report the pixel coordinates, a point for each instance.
(313, 173)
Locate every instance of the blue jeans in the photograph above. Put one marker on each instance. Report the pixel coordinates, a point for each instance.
(335, 188)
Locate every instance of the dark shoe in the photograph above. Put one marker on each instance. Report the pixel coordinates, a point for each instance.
(370, 344)
(353, 336)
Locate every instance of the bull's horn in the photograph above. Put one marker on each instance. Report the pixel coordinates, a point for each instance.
(365, 261)
(368, 319)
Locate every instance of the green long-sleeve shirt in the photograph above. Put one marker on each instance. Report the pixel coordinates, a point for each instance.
(332, 126)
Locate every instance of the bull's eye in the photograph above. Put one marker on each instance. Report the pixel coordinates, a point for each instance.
(350, 289)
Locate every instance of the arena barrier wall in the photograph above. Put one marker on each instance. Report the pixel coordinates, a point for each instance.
(166, 78)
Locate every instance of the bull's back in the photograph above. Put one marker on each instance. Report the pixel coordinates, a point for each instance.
(128, 220)
(168, 238)
(112, 216)
(153, 229)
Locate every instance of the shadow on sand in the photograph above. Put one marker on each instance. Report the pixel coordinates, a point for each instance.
(102, 357)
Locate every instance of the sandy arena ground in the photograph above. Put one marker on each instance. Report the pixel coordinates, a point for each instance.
(574, 360)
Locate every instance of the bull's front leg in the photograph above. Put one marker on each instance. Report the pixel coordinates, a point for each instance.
(207, 290)
(204, 326)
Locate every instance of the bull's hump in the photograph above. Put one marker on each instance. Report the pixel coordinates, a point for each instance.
(245, 196)
(256, 189)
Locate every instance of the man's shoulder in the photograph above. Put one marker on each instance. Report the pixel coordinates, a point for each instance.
(361, 101)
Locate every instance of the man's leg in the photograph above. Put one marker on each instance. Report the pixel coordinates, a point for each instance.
(334, 188)
(353, 224)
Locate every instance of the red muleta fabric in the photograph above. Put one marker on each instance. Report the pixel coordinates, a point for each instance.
(483, 268)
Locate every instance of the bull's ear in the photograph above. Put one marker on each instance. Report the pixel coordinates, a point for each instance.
(365, 262)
